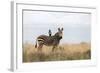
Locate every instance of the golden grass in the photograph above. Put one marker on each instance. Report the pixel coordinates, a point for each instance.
(79, 51)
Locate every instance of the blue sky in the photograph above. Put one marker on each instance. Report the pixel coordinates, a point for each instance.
(77, 26)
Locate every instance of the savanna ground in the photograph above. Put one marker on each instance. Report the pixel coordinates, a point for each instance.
(81, 51)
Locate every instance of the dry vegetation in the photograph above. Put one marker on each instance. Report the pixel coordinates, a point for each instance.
(79, 51)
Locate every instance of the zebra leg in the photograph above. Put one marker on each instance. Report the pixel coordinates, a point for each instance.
(53, 48)
(40, 47)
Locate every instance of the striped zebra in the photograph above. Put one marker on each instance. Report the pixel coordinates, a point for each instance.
(51, 40)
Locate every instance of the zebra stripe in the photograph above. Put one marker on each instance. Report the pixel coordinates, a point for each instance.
(40, 39)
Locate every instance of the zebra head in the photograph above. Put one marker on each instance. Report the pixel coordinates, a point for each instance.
(59, 34)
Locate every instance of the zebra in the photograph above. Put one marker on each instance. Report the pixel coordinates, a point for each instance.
(51, 40)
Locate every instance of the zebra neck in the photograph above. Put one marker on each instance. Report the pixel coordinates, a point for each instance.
(57, 38)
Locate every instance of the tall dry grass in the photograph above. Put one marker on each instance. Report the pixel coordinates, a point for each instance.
(79, 51)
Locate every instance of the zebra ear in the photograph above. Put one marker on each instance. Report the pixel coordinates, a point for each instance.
(50, 32)
(62, 29)
(58, 29)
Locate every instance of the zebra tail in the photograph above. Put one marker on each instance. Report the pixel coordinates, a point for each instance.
(36, 44)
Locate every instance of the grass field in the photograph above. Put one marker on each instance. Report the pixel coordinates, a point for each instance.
(63, 52)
